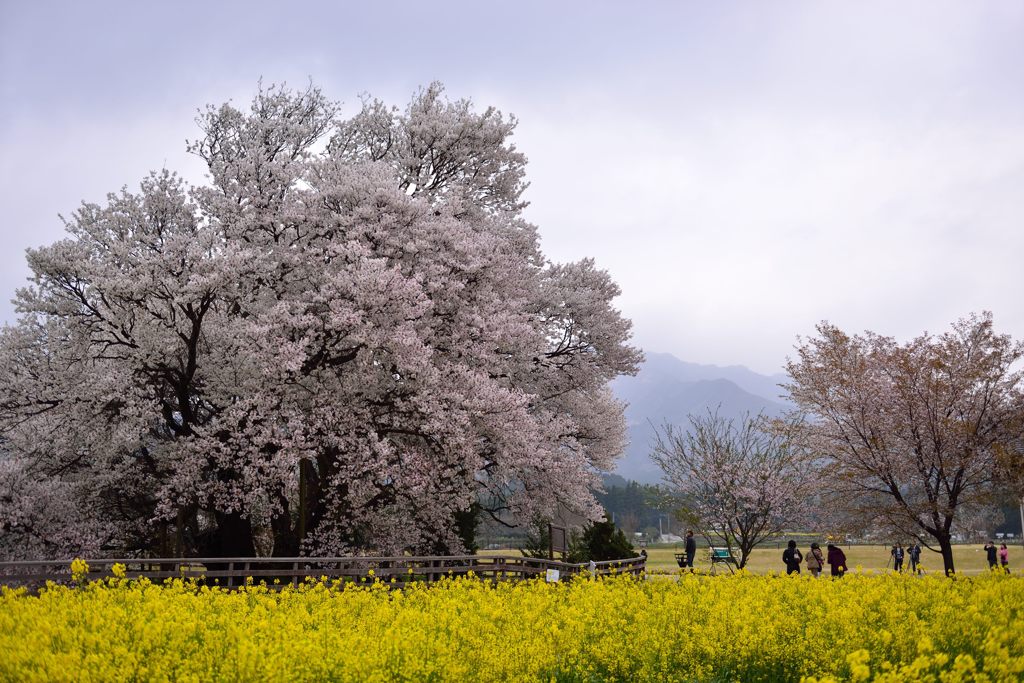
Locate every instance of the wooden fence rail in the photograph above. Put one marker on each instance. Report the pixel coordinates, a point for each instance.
(279, 571)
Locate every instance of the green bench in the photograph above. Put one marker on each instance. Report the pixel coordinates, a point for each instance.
(723, 556)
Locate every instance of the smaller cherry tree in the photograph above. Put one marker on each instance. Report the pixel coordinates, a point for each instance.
(1010, 468)
(912, 434)
(745, 481)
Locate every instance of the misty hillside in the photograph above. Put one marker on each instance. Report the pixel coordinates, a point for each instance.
(668, 389)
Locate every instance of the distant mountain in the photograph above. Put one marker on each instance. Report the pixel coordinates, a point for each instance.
(667, 366)
(669, 390)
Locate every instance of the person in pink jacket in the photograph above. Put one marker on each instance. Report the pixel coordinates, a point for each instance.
(1004, 558)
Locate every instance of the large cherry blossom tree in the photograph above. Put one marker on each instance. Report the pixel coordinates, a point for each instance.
(910, 433)
(349, 339)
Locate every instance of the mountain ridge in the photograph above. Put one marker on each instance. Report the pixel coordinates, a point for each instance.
(667, 389)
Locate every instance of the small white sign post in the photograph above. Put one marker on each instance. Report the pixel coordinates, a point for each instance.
(552, 576)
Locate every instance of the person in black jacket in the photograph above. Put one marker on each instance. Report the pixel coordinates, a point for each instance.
(691, 549)
(914, 553)
(990, 551)
(792, 557)
(897, 557)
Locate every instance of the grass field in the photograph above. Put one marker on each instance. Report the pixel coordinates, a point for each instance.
(969, 559)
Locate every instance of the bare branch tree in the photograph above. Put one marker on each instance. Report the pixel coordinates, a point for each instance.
(746, 481)
(910, 432)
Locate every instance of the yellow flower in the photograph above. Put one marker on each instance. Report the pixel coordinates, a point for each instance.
(671, 628)
(858, 662)
(79, 569)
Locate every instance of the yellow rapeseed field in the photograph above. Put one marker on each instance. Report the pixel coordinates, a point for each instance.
(697, 628)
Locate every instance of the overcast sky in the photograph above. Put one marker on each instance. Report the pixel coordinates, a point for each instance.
(744, 170)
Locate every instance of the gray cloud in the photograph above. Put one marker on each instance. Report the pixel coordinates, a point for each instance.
(743, 169)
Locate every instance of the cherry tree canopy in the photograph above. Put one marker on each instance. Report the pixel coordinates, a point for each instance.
(910, 433)
(348, 339)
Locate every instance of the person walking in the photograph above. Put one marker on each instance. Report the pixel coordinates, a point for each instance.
(691, 549)
(815, 561)
(836, 559)
(914, 553)
(1004, 557)
(990, 553)
(897, 557)
(792, 557)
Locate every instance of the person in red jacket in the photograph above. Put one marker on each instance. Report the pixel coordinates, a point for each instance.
(836, 560)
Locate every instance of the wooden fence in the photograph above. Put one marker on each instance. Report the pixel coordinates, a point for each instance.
(280, 571)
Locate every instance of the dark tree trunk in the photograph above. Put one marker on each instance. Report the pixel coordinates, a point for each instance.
(946, 548)
(233, 537)
(317, 479)
(309, 493)
(286, 540)
(466, 522)
(745, 548)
